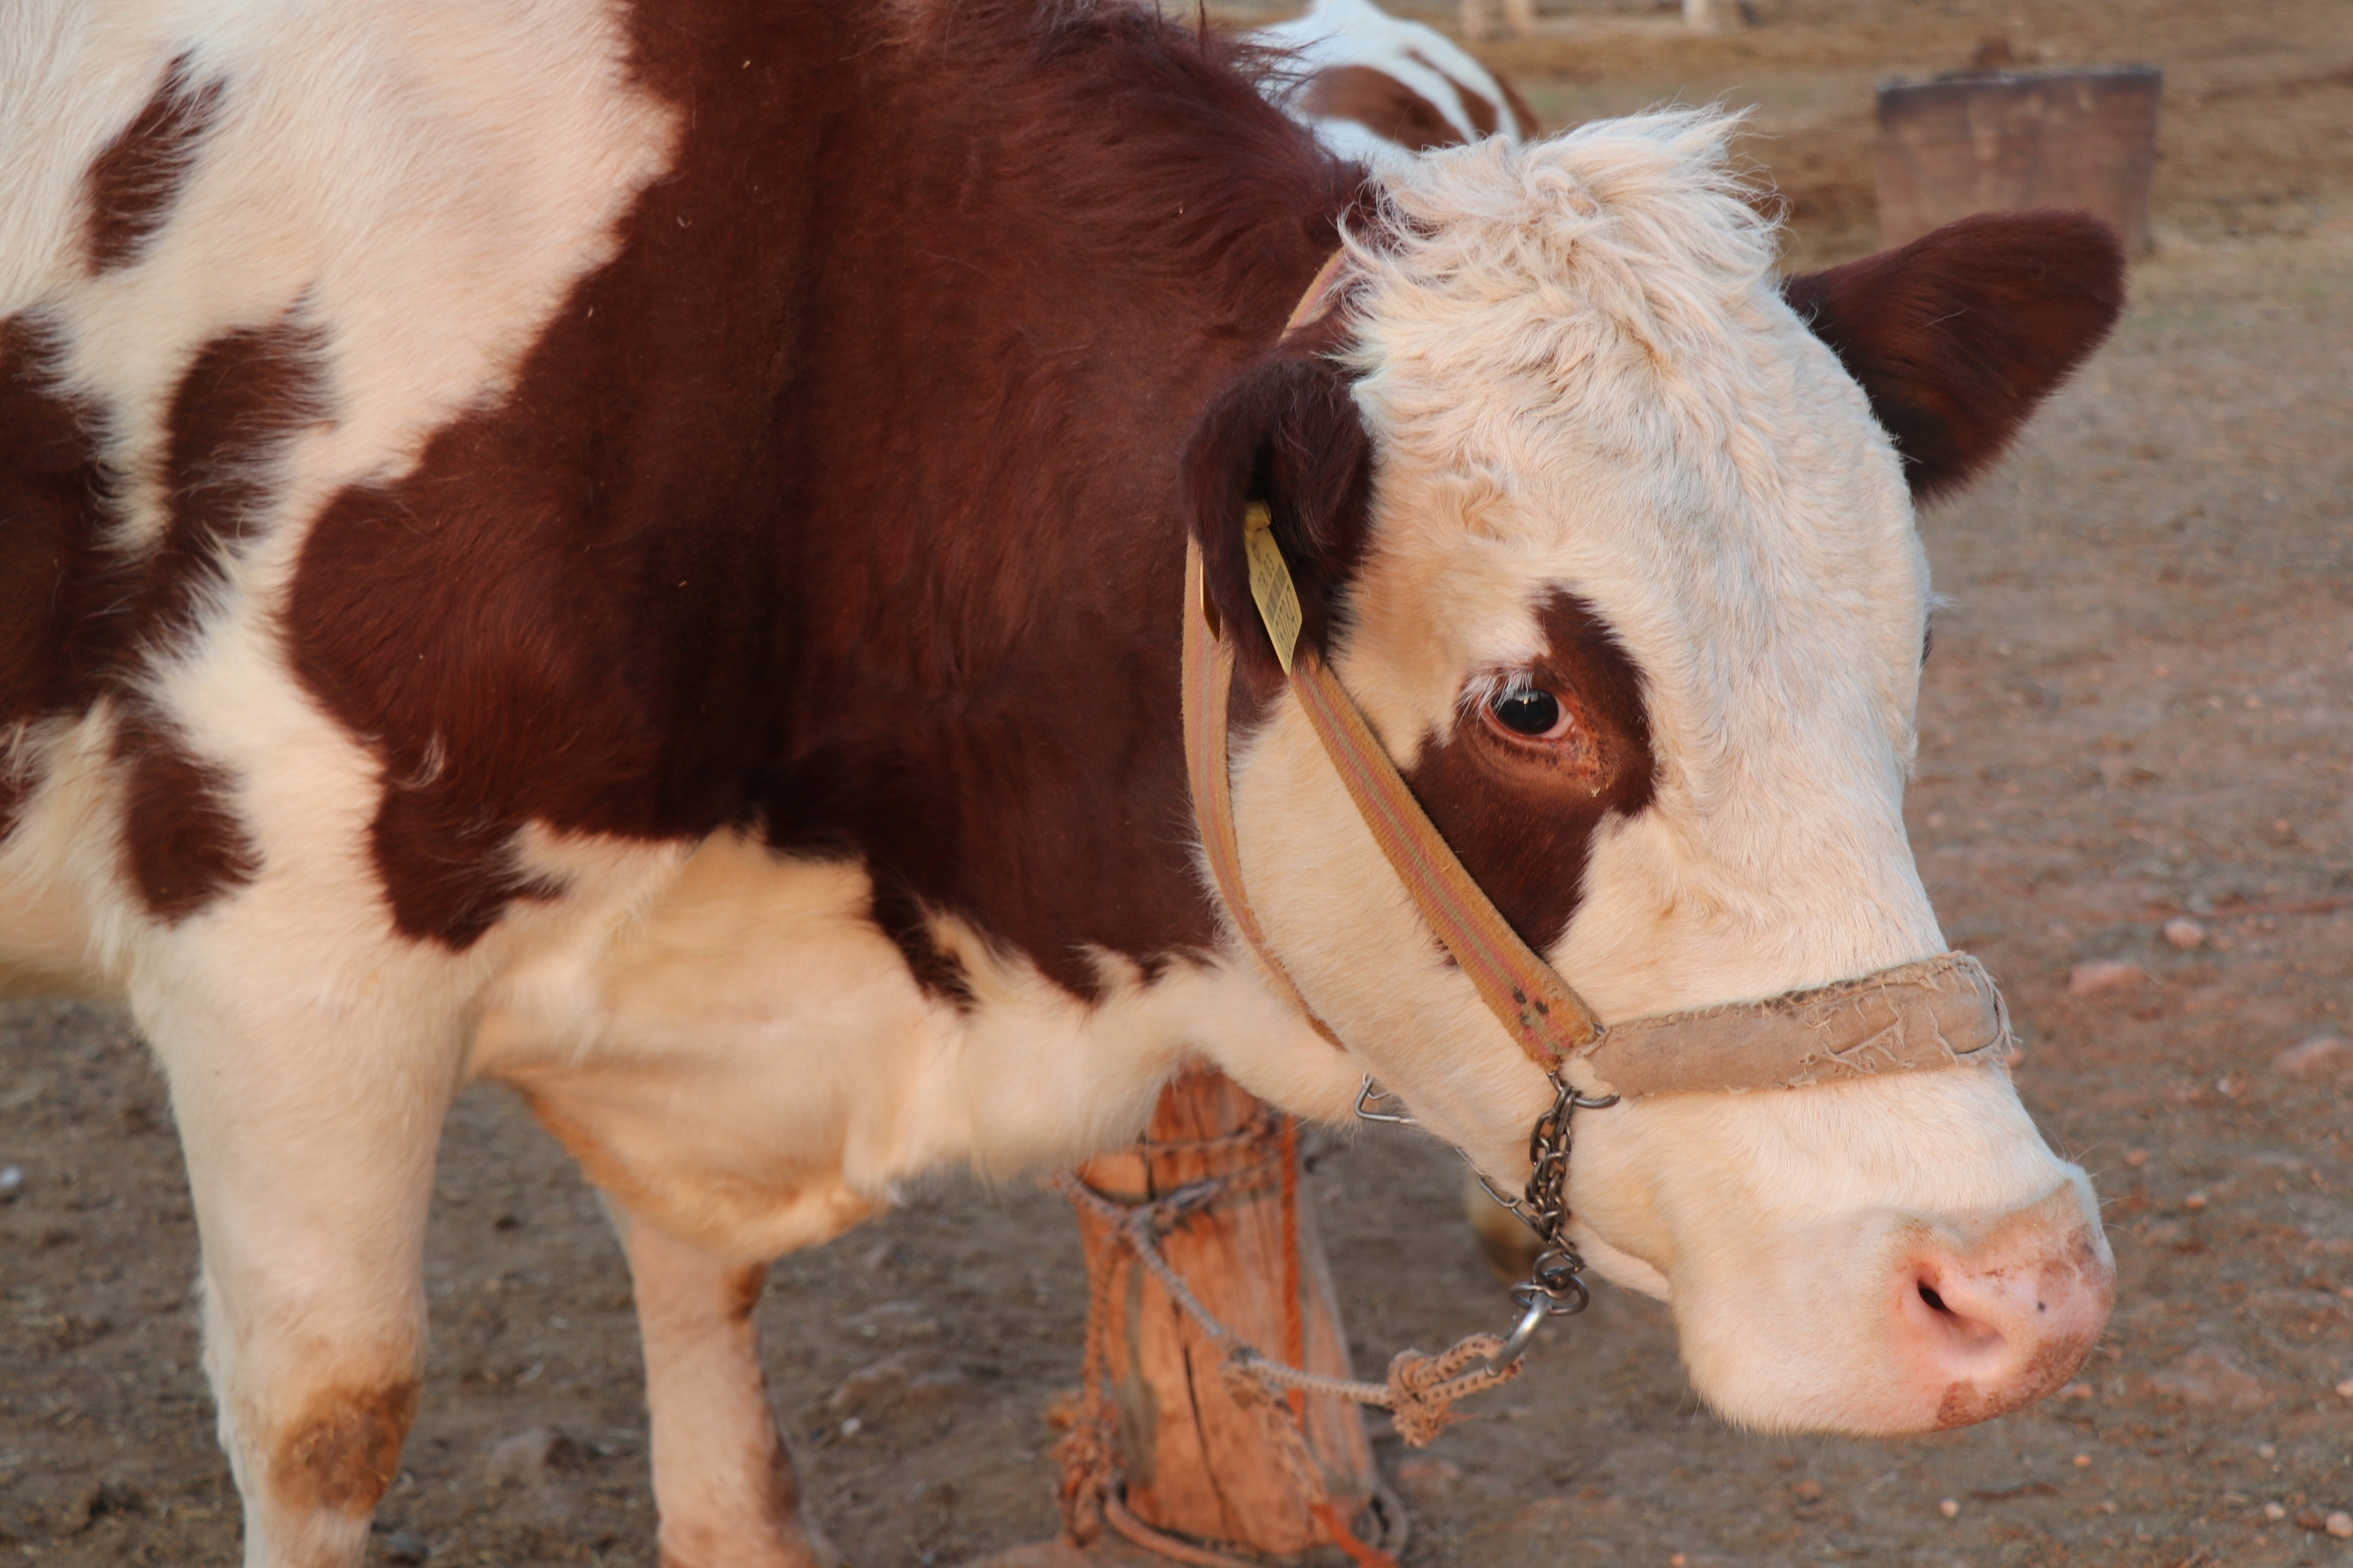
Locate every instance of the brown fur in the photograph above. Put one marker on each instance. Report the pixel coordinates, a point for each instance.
(877, 487)
(1381, 104)
(342, 1454)
(131, 186)
(74, 614)
(245, 394)
(54, 569)
(745, 1287)
(1475, 104)
(1959, 334)
(183, 846)
(1521, 815)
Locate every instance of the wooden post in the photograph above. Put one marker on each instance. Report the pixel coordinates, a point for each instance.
(1197, 1462)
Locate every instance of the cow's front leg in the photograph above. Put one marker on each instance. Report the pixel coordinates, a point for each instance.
(722, 1478)
(309, 1142)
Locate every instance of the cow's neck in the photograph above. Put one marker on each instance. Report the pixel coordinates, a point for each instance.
(849, 487)
(1006, 360)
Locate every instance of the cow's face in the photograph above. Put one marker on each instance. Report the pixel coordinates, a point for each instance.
(1607, 541)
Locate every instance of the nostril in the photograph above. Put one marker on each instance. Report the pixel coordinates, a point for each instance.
(1936, 1303)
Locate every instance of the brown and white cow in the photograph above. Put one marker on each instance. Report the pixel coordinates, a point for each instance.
(635, 552)
(1371, 85)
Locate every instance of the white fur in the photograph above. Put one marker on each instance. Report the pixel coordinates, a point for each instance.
(1577, 373)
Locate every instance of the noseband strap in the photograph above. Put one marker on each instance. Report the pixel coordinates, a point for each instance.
(1942, 1012)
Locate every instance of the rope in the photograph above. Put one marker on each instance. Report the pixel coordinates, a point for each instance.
(1421, 1389)
(1295, 1311)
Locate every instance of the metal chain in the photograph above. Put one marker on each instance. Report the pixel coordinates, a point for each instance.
(1555, 1286)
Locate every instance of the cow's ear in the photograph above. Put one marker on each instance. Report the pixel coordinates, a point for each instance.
(1286, 434)
(1956, 336)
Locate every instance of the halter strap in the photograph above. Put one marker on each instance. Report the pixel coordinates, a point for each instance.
(1543, 1014)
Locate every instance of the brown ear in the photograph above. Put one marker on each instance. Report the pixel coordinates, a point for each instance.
(1287, 433)
(1956, 336)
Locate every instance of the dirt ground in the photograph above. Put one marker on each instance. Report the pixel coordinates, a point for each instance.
(2140, 707)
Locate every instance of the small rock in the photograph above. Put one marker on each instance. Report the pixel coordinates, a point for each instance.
(2274, 1512)
(2345, 1389)
(2183, 932)
(1807, 1490)
(2136, 1157)
(2076, 1391)
(2208, 1375)
(2307, 1055)
(404, 1548)
(2101, 975)
(1421, 1479)
(12, 1182)
(532, 1455)
(2339, 1524)
(2194, 1200)
(2083, 1461)
(1949, 1506)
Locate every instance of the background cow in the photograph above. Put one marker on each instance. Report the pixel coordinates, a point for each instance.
(637, 553)
(1371, 85)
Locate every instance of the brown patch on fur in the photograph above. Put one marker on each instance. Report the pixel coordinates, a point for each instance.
(342, 1455)
(1476, 105)
(1957, 336)
(900, 915)
(132, 185)
(245, 395)
(74, 613)
(183, 846)
(1521, 814)
(1381, 104)
(745, 547)
(744, 1288)
(53, 598)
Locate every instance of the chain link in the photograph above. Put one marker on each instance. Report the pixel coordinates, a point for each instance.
(1555, 1286)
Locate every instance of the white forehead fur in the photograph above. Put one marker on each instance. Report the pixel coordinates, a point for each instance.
(1579, 374)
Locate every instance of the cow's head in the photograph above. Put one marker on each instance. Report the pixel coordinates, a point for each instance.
(1609, 533)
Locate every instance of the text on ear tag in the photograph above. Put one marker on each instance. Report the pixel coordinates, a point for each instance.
(1270, 581)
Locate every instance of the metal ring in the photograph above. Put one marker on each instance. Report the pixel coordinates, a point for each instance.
(1516, 1344)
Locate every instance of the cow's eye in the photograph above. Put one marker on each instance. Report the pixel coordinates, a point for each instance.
(1538, 715)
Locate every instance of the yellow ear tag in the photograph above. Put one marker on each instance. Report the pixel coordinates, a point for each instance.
(1270, 581)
